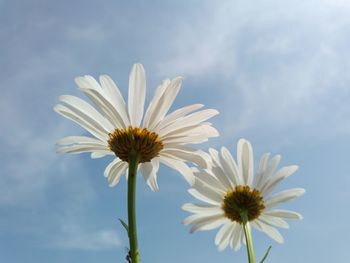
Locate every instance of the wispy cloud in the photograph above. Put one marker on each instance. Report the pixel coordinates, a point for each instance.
(75, 238)
(283, 66)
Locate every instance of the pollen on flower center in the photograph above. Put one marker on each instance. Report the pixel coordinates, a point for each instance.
(243, 199)
(140, 141)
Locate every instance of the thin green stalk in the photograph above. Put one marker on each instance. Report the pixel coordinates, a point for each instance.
(248, 237)
(134, 251)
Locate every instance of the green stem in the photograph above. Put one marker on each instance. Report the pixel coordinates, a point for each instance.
(248, 237)
(134, 251)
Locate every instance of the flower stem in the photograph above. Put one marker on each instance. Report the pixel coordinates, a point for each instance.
(134, 251)
(248, 237)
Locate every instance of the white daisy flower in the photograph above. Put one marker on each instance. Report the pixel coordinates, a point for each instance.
(229, 188)
(118, 131)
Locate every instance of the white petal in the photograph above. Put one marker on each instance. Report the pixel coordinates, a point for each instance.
(245, 160)
(80, 148)
(189, 120)
(203, 131)
(207, 130)
(207, 223)
(149, 172)
(80, 144)
(215, 157)
(202, 209)
(193, 139)
(202, 198)
(177, 114)
(85, 109)
(88, 124)
(270, 169)
(262, 167)
(100, 154)
(155, 104)
(98, 96)
(114, 171)
(284, 196)
(207, 191)
(278, 177)
(180, 166)
(224, 232)
(284, 214)
(229, 168)
(210, 179)
(137, 93)
(218, 170)
(69, 140)
(116, 97)
(236, 238)
(97, 120)
(184, 153)
(273, 221)
(227, 157)
(165, 102)
(192, 219)
(269, 230)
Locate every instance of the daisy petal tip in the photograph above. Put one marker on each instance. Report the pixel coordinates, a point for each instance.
(94, 156)
(300, 191)
(184, 206)
(190, 179)
(138, 67)
(153, 187)
(192, 191)
(78, 79)
(178, 79)
(104, 76)
(62, 97)
(241, 141)
(224, 150)
(215, 112)
(294, 168)
(221, 247)
(56, 108)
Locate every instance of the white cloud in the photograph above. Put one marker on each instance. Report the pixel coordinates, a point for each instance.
(285, 64)
(73, 237)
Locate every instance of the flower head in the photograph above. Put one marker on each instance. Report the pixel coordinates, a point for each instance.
(230, 193)
(119, 130)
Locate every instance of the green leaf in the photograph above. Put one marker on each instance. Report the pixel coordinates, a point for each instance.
(266, 254)
(124, 225)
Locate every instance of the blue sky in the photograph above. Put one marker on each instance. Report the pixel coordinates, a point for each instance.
(278, 72)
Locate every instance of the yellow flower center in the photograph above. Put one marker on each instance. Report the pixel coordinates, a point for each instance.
(243, 200)
(135, 141)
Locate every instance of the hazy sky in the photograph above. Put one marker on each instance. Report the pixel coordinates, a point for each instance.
(278, 72)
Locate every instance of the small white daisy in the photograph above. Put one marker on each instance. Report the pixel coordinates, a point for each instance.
(117, 128)
(228, 188)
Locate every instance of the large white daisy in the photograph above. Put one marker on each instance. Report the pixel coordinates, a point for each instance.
(229, 188)
(118, 131)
